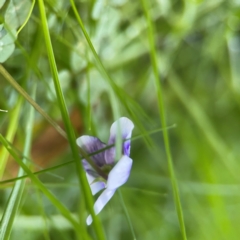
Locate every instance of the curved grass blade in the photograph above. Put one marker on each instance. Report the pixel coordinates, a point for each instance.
(16, 13)
(161, 108)
(27, 18)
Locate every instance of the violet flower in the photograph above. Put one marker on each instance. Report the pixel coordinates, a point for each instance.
(115, 175)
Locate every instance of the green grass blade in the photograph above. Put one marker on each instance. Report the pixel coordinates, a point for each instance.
(13, 119)
(118, 146)
(70, 133)
(161, 109)
(16, 194)
(39, 184)
(89, 112)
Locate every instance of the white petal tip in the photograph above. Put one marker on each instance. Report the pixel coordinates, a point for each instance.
(89, 220)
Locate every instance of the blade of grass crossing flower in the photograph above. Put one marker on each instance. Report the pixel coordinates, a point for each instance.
(117, 115)
(39, 184)
(70, 162)
(13, 120)
(70, 133)
(153, 55)
(16, 194)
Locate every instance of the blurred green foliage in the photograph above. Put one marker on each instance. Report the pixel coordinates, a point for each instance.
(198, 53)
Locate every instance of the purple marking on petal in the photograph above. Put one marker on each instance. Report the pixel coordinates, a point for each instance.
(90, 145)
(126, 148)
(89, 169)
(126, 126)
(120, 173)
(110, 155)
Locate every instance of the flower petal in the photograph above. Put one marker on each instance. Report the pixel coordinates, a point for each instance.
(90, 178)
(101, 202)
(91, 173)
(90, 145)
(97, 186)
(120, 173)
(126, 126)
(89, 220)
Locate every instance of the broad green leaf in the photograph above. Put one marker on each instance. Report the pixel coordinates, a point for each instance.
(16, 13)
(6, 43)
(2, 2)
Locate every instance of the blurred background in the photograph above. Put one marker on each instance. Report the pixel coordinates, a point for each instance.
(197, 44)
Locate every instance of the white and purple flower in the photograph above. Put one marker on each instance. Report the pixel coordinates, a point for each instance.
(114, 175)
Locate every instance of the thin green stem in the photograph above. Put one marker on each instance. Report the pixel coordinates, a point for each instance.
(89, 112)
(127, 214)
(161, 108)
(28, 16)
